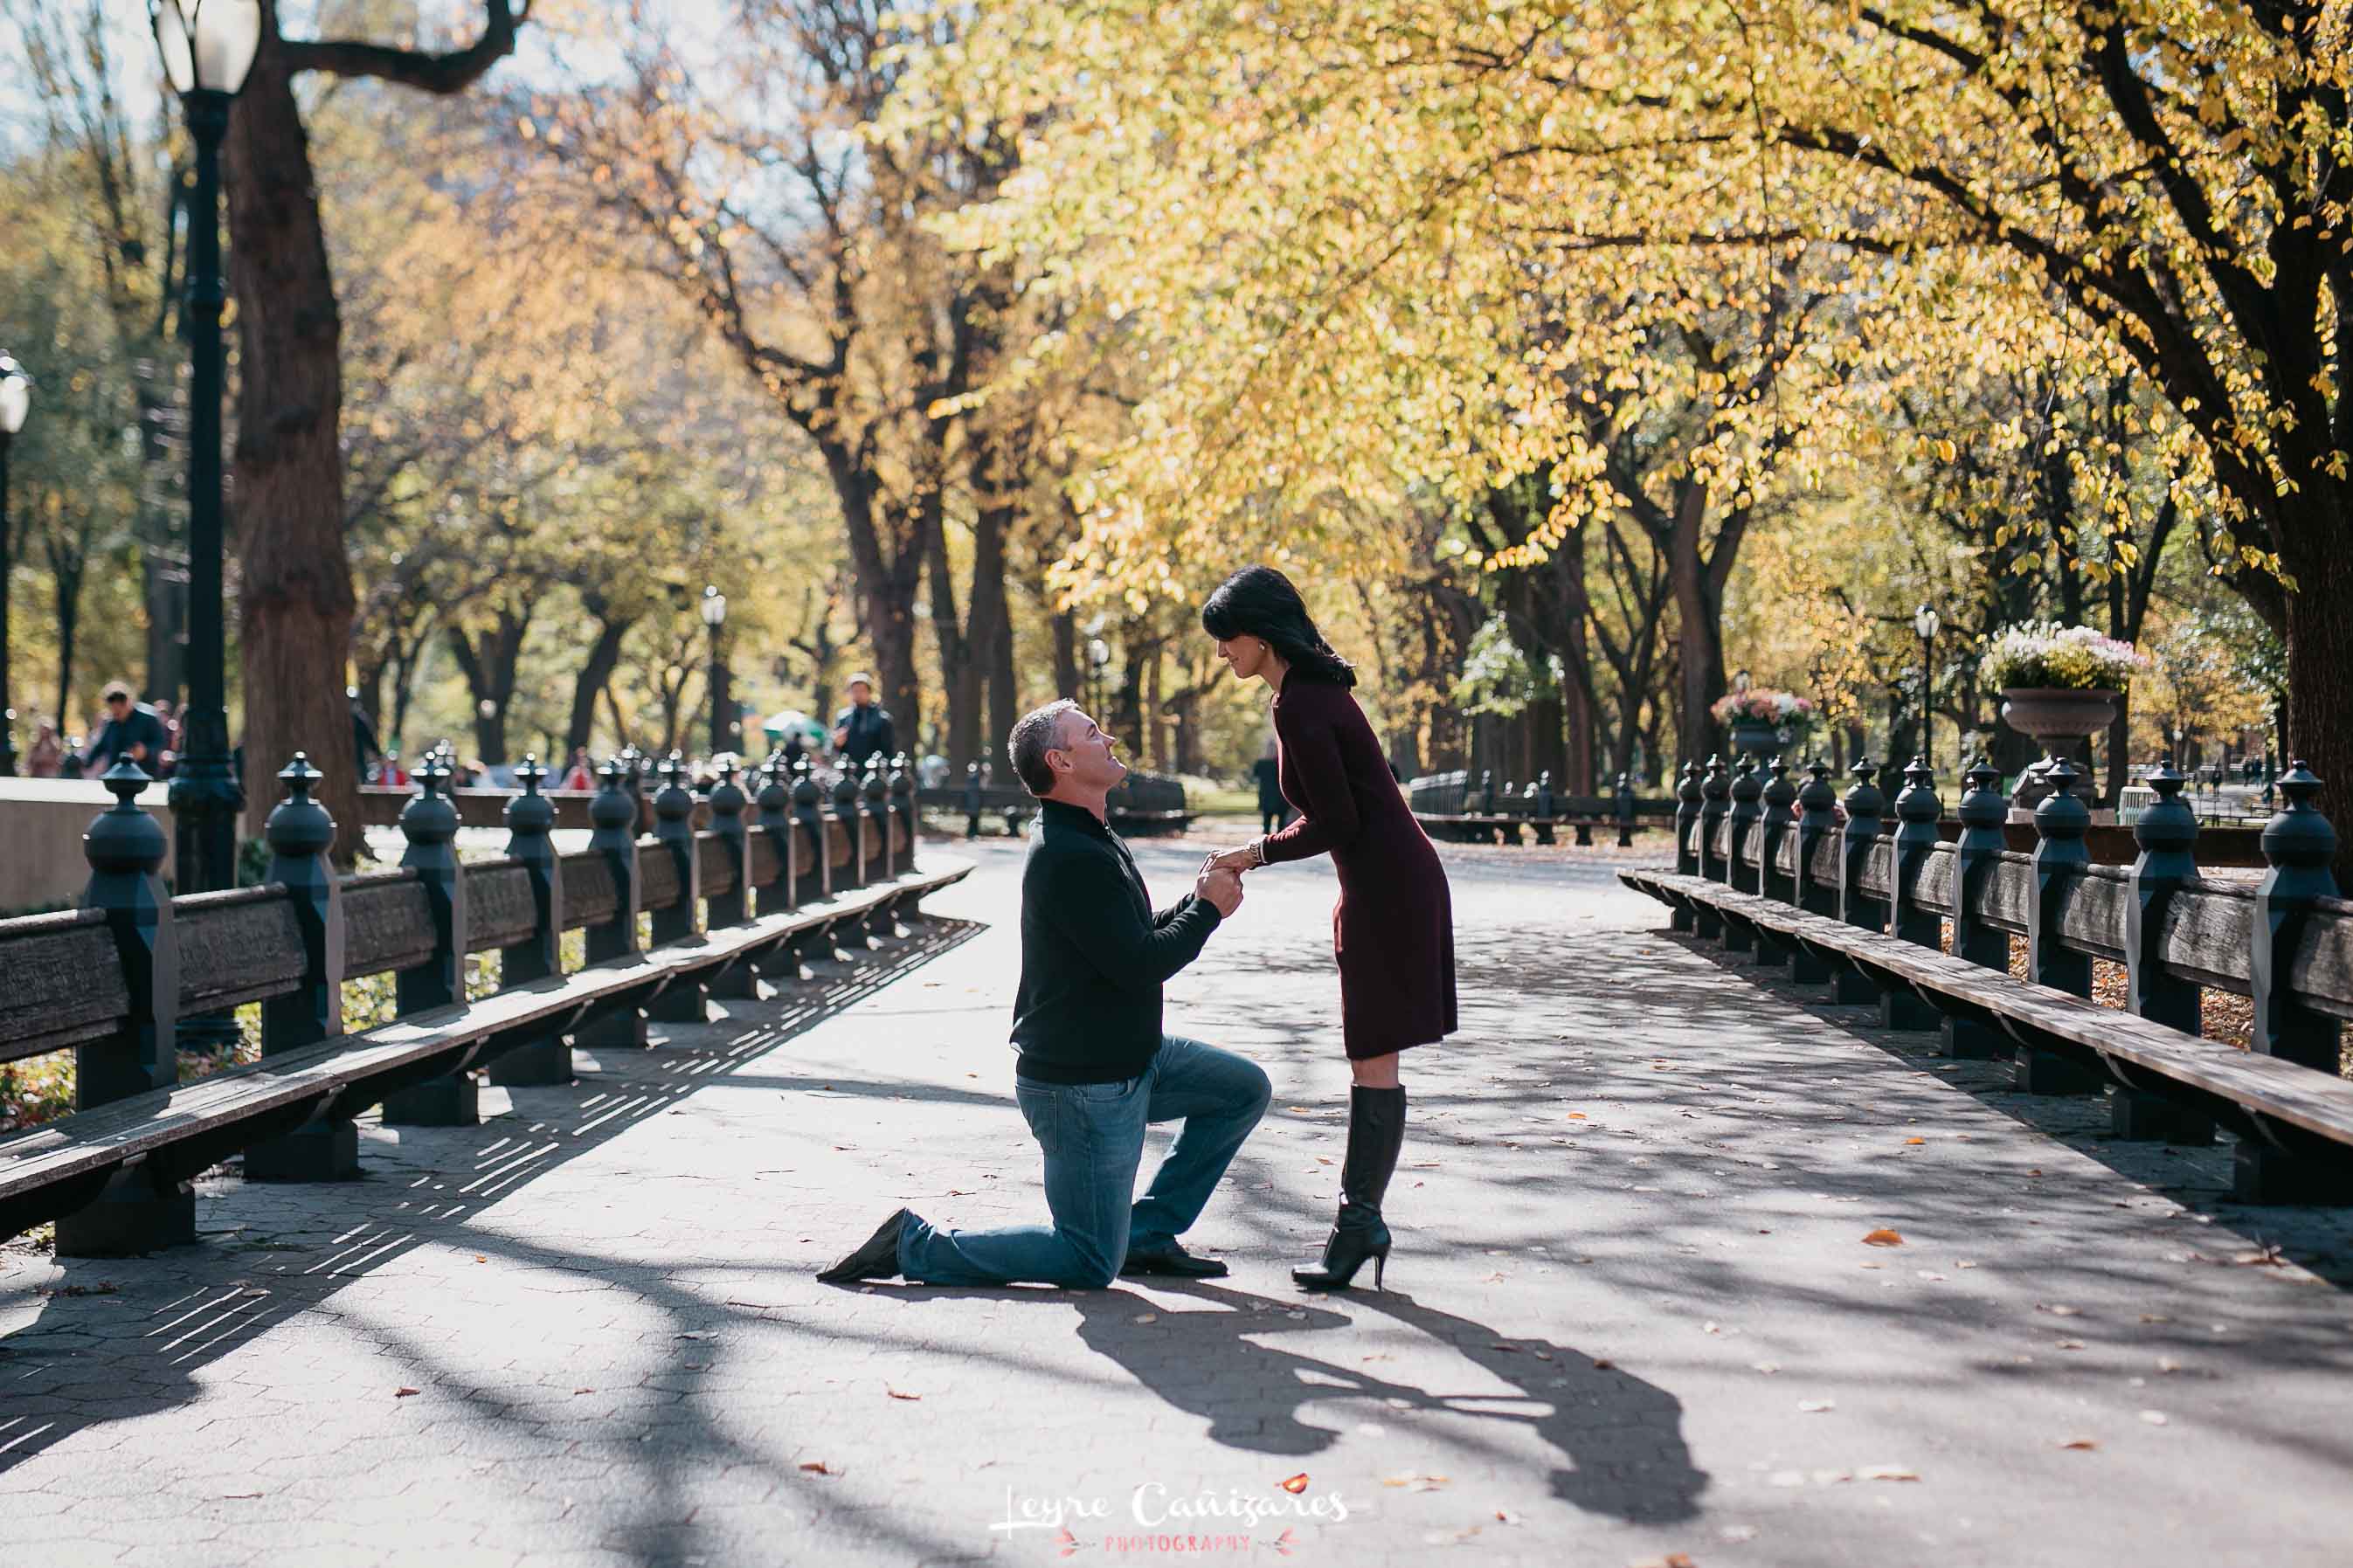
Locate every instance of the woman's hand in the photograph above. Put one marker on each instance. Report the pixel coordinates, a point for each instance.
(1237, 860)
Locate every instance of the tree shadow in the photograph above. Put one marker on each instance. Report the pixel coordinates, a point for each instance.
(1617, 1439)
(103, 1350)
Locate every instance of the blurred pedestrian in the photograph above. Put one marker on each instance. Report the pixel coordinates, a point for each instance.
(48, 755)
(132, 731)
(863, 727)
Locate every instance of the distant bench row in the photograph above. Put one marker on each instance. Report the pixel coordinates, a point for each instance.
(1799, 878)
(1142, 803)
(1450, 805)
(114, 980)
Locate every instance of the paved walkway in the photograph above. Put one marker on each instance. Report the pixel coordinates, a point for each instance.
(1632, 1313)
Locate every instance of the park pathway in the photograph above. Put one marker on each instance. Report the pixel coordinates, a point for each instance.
(1634, 1316)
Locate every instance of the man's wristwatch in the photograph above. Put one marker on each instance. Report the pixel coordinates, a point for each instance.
(1257, 850)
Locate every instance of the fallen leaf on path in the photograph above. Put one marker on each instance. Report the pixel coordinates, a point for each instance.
(1909, 1141)
(819, 1467)
(1418, 1483)
(2071, 1345)
(1603, 1364)
(696, 1335)
(238, 1497)
(584, 1391)
(1768, 1367)
(1888, 1473)
(1816, 1407)
(1145, 1318)
(1883, 1237)
(405, 1392)
(1296, 1484)
(1505, 1516)
(896, 1395)
(2154, 1418)
(2081, 1444)
(2058, 1311)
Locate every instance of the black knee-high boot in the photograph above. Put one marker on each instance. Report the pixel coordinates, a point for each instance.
(1376, 1130)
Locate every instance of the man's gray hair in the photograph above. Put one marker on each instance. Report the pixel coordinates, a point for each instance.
(1037, 732)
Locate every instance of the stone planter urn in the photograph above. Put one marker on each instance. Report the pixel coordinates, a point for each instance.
(2057, 716)
(1755, 738)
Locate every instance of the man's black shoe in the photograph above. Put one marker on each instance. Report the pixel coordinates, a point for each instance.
(877, 1259)
(1172, 1260)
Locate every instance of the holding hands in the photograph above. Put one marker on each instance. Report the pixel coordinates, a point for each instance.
(1241, 858)
(1220, 886)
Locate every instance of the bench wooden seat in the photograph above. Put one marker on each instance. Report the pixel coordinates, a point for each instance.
(56, 1169)
(2306, 1112)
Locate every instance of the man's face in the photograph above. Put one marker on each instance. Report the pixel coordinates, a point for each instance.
(1091, 764)
(861, 694)
(118, 706)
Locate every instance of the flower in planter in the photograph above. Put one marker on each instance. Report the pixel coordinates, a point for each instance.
(1763, 705)
(2048, 654)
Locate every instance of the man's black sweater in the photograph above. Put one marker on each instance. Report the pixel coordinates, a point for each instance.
(1094, 954)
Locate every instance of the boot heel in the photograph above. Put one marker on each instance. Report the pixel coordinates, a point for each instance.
(1380, 1263)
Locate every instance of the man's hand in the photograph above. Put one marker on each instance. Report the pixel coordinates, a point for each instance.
(1219, 887)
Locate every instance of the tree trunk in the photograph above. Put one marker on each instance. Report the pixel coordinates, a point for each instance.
(987, 627)
(1066, 656)
(1005, 708)
(295, 601)
(886, 591)
(604, 658)
(1699, 612)
(961, 672)
(2320, 666)
(65, 584)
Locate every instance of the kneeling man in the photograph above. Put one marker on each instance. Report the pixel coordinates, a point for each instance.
(1094, 1066)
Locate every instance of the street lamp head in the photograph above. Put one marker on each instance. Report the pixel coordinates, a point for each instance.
(1098, 652)
(715, 608)
(1925, 622)
(15, 396)
(1741, 683)
(207, 45)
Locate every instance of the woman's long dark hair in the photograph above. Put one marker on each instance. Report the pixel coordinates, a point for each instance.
(1260, 601)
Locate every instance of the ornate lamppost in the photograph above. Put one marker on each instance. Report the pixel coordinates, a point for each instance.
(16, 401)
(722, 726)
(208, 47)
(1924, 621)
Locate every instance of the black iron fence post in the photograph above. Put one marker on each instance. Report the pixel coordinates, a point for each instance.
(2166, 833)
(1911, 854)
(429, 823)
(2059, 859)
(613, 818)
(1977, 857)
(1857, 906)
(530, 824)
(2298, 846)
(141, 1208)
(685, 1000)
(300, 833)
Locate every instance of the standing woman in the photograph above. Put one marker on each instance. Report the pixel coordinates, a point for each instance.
(1393, 929)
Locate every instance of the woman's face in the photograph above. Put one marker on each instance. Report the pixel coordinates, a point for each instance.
(1245, 656)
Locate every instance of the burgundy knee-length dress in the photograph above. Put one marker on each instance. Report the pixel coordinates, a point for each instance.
(1393, 929)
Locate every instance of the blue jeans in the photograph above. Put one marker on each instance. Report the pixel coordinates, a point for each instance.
(1093, 1136)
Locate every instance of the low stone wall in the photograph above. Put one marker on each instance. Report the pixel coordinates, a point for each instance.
(41, 825)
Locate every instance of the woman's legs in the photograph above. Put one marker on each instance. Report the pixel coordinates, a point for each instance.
(1376, 1132)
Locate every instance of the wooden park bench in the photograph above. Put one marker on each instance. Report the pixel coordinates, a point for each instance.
(1796, 877)
(112, 980)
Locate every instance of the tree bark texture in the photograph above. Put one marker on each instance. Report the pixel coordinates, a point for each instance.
(295, 596)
